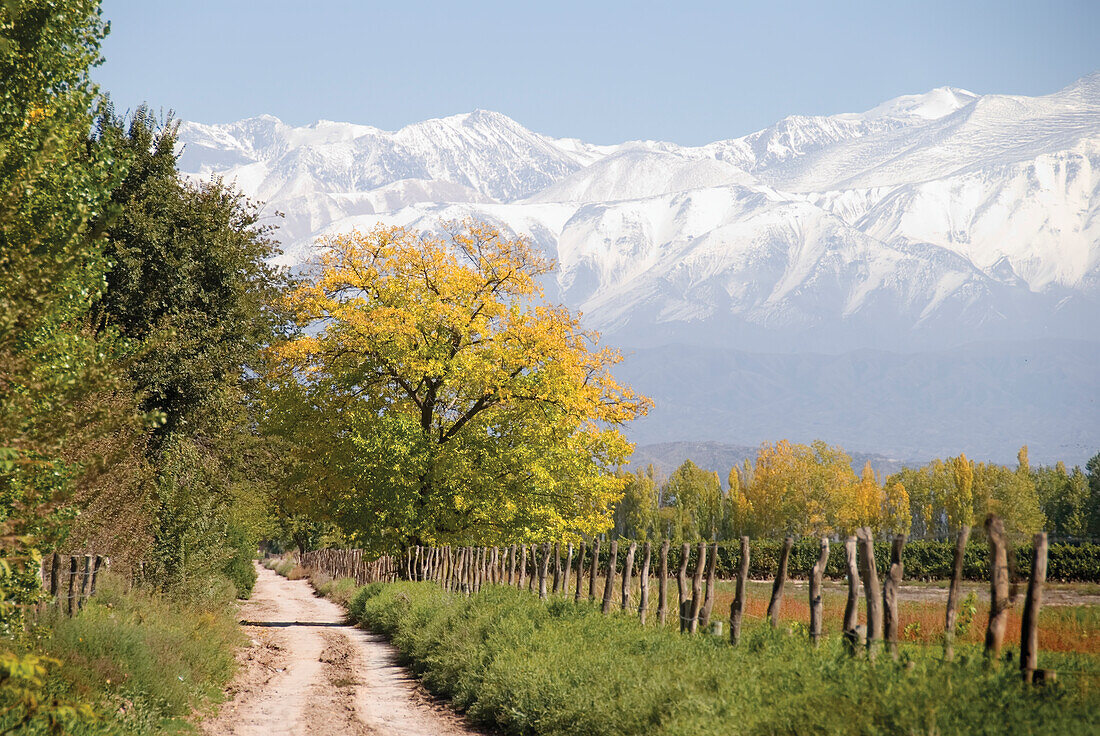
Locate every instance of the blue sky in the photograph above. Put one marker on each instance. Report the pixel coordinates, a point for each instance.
(601, 71)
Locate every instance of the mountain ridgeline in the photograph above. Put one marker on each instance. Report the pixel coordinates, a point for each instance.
(918, 279)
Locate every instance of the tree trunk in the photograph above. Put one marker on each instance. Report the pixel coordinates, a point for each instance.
(776, 601)
(998, 587)
(815, 591)
(953, 595)
(737, 608)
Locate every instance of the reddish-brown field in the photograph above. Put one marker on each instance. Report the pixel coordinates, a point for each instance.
(1070, 623)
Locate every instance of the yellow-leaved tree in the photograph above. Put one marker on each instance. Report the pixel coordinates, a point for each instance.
(434, 395)
(861, 504)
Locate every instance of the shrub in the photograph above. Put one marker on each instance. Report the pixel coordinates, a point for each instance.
(526, 667)
(145, 660)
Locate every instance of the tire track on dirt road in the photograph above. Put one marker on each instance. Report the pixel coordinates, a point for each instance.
(307, 672)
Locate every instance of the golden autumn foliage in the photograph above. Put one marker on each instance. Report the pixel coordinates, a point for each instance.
(442, 398)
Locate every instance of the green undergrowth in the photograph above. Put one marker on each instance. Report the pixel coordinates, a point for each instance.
(285, 566)
(526, 667)
(145, 662)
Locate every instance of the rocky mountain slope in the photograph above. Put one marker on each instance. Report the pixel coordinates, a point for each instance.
(926, 223)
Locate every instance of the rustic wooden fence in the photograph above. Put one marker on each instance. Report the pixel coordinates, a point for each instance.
(541, 568)
(71, 579)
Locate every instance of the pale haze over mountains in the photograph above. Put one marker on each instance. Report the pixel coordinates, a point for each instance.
(916, 280)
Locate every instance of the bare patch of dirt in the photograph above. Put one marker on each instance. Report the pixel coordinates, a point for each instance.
(307, 672)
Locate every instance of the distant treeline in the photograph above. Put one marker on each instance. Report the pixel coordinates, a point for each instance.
(923, 559)
(811, 490)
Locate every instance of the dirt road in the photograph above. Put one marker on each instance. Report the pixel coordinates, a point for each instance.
(306, 672)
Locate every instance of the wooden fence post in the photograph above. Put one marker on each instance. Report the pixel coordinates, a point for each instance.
(55, 573)
(580, 572)
(544, 568)
(95, 574)
(534, 568)
(85, 580)
(594, 571)
(557, 569)
(816, 574)
(851, 607)
(609, 582)
(512, 565)
(998, 586)
(871, 590)
(697, 587)
(1029, 627)
(566, 569)
(737, 608)
(708, 599)
(776, 601)
(628, 574)
(953, 595)
(890, 595)
(522, 582)
(643, 605)
(460, 571)
(681, 584)
(662, 585)
(72, 584)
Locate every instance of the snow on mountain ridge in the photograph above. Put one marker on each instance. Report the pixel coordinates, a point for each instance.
(944, 208)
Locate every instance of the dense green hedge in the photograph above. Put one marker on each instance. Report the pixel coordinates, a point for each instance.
(524, 667)
(924, 560)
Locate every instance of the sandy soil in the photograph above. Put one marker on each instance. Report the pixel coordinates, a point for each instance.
(307, 672)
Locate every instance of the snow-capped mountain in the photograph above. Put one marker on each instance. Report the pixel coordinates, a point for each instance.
(927, 222)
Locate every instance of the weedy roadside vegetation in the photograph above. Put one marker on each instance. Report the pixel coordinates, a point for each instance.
(143, 661)
(286, 566)
(526, 667)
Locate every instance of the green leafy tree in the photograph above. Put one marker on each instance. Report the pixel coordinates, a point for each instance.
(190, 287)
(1092, 472)
(636, 512)
(52, 192)
(693, 496)
(1011, 494)
(1063, 499)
